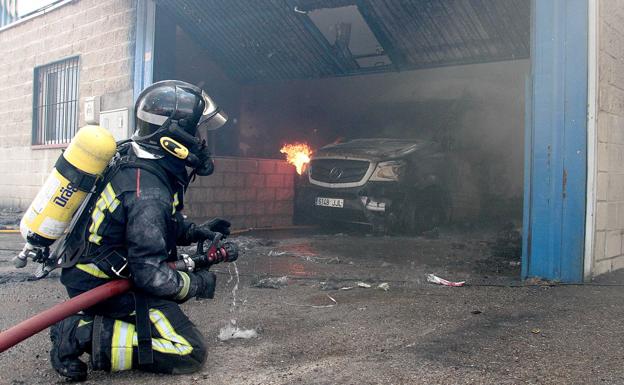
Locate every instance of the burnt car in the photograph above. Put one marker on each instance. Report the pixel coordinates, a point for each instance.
(397, 186)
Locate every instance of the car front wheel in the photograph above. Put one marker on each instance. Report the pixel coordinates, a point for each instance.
(425, 210)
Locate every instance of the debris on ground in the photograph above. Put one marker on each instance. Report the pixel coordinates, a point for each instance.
(230, 332)
(274, 253)
(326, 260)
(536, 281)
(316, 306)
(383, 286)
(246, 242)
(441, 281)
(270, 282)
(332, 285)
(364, 285)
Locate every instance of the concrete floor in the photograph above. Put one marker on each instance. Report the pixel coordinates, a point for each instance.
(414, 333)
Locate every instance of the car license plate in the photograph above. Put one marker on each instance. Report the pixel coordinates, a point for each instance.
(330, 202)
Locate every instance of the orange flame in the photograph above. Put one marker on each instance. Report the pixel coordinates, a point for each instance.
(297, 154)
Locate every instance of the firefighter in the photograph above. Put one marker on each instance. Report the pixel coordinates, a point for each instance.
(132, 233)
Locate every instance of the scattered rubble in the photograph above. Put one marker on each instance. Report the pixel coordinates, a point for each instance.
(383, 286)
(230, 332)
(441, 281)
(325, 260)
(316, 306)
(270, 282)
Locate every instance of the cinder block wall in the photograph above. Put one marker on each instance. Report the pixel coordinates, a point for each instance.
(101, 32)
(248, 192)
(609, 236)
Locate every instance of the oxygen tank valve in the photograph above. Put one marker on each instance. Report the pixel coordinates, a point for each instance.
(35, 253)
(21, 259)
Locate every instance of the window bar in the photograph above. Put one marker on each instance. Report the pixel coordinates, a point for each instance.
(72, 95)
(42, 122)
(40, 97)
(75, 89)
(35, 124)
(49, 111)
(40, 109)
(66, 129)
(50, 107)
(59, 103)
(69, 105)
(46, 111)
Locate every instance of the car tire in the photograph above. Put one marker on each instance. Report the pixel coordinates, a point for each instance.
(427, 211)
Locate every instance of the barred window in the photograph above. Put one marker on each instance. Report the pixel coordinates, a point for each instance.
(55, 102)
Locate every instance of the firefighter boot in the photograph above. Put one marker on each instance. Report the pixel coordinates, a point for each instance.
(70, 339)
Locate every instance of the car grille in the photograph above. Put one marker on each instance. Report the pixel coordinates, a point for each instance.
(338, 170)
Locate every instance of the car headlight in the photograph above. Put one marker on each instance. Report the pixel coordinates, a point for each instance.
(388, 171)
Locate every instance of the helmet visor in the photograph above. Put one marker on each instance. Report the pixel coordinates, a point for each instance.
(210, 107)
(212, 117)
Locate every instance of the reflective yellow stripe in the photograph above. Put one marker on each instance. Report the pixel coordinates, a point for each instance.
(106, 201)
(128, 351)
(164, 346)
(96, 220)
(160, 345)
(125, 338)
(83, 323)
(92, 269)
(186, 285)
(177, 344)
(121, 346)
(111, 201)
(176, 201)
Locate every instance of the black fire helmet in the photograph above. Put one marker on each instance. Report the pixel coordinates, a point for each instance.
(176, 109)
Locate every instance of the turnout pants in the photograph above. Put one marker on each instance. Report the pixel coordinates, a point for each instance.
(177, 346)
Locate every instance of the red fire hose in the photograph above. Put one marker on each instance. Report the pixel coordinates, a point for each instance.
(56, 313)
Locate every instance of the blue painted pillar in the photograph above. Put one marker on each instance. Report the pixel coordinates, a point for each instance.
(556, 142)
(144, 45)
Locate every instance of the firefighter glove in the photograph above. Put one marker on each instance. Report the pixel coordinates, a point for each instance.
(199, 233)
(219, 225)
(206, 283)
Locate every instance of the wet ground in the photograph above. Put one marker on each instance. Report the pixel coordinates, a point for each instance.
(320, 326)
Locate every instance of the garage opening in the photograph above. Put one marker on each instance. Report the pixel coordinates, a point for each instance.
(413, 111)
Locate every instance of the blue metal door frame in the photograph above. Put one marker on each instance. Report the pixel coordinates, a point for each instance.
(144, 45)
(556, 142)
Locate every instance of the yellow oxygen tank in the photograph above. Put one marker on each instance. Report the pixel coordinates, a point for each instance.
(72, 178)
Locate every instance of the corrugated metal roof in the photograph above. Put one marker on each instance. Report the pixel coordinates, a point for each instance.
(265, 40)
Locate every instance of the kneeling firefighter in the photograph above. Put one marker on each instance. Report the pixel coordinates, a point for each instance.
(132, 232)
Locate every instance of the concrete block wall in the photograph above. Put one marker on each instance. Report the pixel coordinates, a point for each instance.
(609, 236)
(101, 33)
(248, 192)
